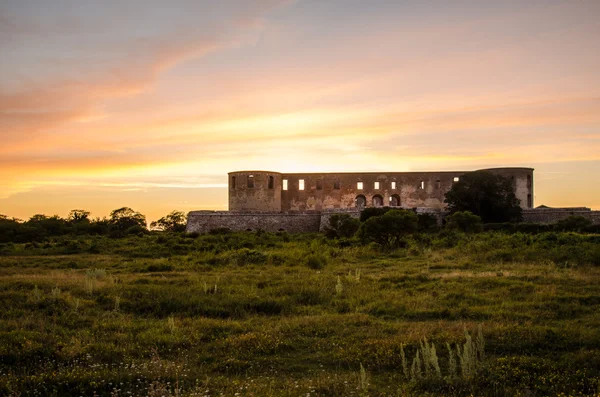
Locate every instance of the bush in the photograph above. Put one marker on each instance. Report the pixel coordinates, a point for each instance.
(574, 223)
(342, 226)
(316, 261)
(465, 221)
(372, 211)
(388, 229)
(427, 222)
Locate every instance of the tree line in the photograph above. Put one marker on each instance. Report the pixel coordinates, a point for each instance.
(121, 222)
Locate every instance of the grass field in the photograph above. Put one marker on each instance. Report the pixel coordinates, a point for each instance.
(259, 314)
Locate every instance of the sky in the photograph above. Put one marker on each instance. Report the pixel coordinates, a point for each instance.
(149, 103)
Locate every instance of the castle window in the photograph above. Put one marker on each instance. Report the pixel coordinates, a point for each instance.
(456, 179)
(376, 186)
(270, 182)
(359, 185)
(336, 185)
(284, 184)
(301, 184)
(250, 181)
(233, 182)
(394, 200)
(438, 184)
(319, 184)
(377, 201)
(393, 185)
(360, 201)
(529, 181)
(422, 185)
(529, 201)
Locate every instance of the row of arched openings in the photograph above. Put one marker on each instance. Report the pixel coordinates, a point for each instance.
(377, 201)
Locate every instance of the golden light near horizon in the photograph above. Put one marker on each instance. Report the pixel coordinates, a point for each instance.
(153, 113)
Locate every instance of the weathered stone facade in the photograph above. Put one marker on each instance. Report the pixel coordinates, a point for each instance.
(273, 191)
(553, 215)
(273, 201)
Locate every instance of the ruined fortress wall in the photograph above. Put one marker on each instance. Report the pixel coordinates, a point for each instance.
(553, 215)
(522, 179)
(340, 190)
(324, 191)
(204, 221)
(255, 191)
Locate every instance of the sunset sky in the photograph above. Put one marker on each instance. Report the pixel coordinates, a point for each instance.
(149, 103)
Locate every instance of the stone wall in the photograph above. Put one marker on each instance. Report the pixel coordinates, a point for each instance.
(204, 221)
(553, 215)
(255, 191)
(272, 191)
(314, 221)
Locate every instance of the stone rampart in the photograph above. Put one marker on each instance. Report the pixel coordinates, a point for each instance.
(314, 221)
(298, 222)
(553, 215)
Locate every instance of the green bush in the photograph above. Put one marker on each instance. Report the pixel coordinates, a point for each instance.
(388, 229)
(342, 226)
(316, 261)
(372, 211)
(574, 223)
(464, 221)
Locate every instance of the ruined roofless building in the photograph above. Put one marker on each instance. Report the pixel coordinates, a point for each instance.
(277, 192)
(304, 202)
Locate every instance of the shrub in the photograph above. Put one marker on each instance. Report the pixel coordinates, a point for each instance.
(316, 261)
(342, 226)
(574, 223)
(372, 211)
(465, 221)
(388, 229)
(427, 222)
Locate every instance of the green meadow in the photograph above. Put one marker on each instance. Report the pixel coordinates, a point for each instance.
(261, 314)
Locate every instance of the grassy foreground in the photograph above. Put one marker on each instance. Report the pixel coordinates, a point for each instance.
(259, 314)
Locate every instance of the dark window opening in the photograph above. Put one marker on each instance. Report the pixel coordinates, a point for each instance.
(529, 201)
(250, 181)
(233, 182)
(377, 201)
(271, 182)
(336, 185)
(394, 200)
(361, 201)
(319, 184)
(529, 181)
(438, 184)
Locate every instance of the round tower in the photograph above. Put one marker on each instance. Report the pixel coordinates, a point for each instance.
(255, 191)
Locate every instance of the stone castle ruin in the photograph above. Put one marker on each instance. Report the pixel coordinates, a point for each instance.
(303, 202)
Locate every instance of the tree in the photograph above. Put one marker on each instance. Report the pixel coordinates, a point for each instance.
(388, 229)
(488, 195)
(465, 221)
(341, 225)
(372, 211)
(125, 218)
(78, 216)
(173, 222)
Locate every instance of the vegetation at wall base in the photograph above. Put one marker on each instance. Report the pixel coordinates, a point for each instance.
(487, 195)
(493, 313)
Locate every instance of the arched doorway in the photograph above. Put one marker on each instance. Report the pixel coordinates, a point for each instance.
(394, 200)
(360, 201)
(377, 201)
